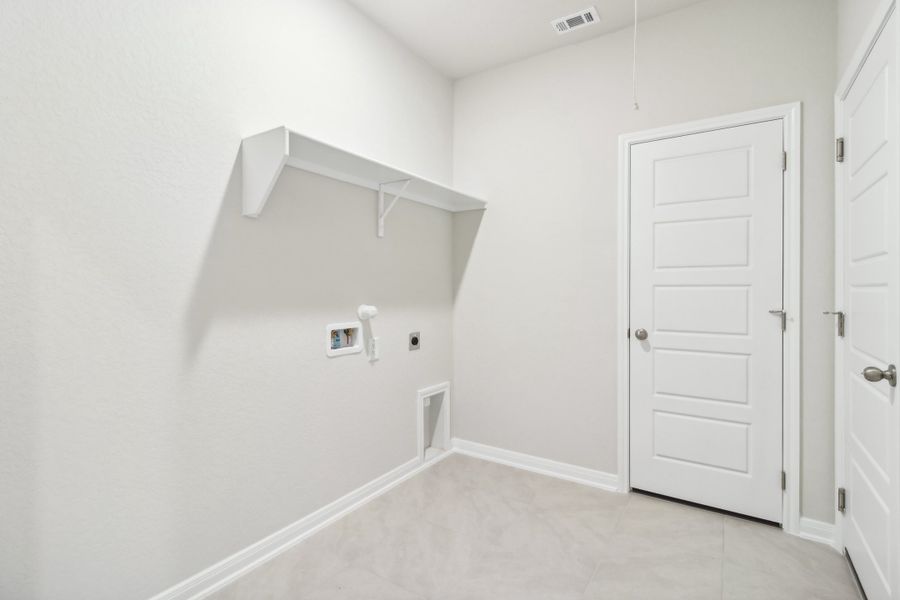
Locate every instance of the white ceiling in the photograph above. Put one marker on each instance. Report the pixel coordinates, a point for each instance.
(460, 37)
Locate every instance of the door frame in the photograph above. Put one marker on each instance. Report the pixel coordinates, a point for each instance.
(869, 38)
(791, 115)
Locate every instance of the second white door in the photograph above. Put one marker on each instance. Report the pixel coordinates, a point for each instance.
(706, 270)
(870, 295)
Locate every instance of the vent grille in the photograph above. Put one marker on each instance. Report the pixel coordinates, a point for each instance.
(582, 18)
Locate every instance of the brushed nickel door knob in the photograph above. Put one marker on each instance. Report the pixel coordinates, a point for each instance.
(875, 374)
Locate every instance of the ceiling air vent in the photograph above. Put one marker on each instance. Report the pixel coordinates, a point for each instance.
(582, 18)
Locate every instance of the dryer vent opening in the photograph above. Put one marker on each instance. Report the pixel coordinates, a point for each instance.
(434, 421)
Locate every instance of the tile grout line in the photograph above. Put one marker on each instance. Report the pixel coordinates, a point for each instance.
(392, 582)
(722, 564)
(590, 580)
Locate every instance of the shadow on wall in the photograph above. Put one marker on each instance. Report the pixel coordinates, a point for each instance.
(465, 231)
(314, 250)
(261, 412)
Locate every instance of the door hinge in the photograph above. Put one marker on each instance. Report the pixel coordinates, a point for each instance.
(783, 480)
(841, 320)
(842, 499)
(784, 161)
(839, 149)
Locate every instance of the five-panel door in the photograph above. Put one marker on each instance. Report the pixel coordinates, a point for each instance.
(870, 218)
(706, 273)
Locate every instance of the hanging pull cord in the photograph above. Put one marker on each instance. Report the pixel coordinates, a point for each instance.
(634, 60)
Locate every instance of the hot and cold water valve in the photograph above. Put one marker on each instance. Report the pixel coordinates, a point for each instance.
(343, 338)
(348, 338)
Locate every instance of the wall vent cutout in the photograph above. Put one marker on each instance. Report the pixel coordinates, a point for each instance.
(582, 18)
(433, 412)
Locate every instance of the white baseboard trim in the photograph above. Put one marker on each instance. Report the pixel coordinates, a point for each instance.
(544, 466)
(224, 572)
(817, 531)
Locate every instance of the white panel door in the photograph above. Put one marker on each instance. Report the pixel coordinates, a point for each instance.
(706, 269)
(871, 228)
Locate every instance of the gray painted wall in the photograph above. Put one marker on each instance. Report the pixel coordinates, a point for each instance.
(535, 317)
(166, 399)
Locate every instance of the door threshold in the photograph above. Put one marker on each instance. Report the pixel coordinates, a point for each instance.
(721, 511)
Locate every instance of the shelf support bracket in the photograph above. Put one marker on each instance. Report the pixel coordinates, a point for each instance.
(384, 211)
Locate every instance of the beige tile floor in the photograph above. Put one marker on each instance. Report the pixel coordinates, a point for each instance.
(469, 529)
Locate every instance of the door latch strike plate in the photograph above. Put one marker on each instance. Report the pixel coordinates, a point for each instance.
(842, 499)
(841, 319)
(783, 315)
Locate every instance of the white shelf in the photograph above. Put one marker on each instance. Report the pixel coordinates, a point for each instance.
(264, 155)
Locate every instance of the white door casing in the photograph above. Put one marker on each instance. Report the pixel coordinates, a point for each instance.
(868, 217)
(706, 241)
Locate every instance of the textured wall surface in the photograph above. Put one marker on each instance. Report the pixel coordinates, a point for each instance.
(164, 396)
(166, 399)
(535, 319)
